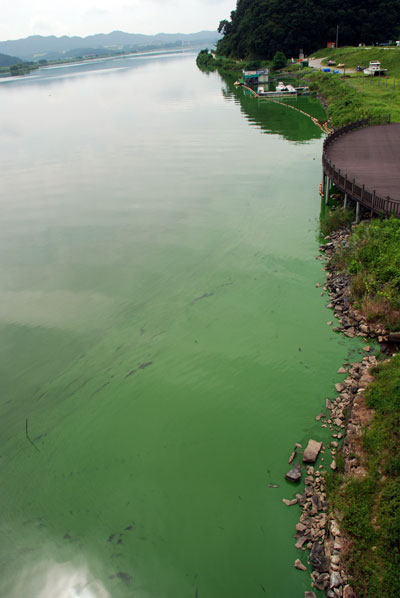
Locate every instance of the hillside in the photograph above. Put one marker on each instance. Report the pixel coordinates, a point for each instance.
(258, 28)
(36, 47)
(6, 60)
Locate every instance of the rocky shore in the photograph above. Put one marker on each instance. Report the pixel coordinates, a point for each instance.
(318, 532)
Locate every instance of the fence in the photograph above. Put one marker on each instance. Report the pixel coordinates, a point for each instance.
(384, 206)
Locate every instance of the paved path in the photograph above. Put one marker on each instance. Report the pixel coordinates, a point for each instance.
(317, 64)
(371, 156)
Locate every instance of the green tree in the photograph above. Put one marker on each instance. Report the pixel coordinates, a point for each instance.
(279, 60)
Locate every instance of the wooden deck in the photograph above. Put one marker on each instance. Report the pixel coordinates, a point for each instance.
(367, 161)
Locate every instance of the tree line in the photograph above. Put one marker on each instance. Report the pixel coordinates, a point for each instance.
(258, 28)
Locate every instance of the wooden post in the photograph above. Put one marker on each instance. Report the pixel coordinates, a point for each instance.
(327, 191)
(345, 201)
(357, 212)
(323, 181)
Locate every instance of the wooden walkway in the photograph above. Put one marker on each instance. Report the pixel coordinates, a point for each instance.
(365, 164)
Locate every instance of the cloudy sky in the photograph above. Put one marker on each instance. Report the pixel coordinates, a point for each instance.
(20, 18)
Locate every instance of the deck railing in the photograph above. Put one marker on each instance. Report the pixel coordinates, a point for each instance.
(384, 206)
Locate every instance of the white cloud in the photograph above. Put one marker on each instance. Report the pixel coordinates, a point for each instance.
(21, 18)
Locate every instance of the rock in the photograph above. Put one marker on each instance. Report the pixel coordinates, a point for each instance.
(299, 565)
(318, 558)
(311, 452)
(300, 527)
(300, 542)
(320, 416)
(309, 595)
(292, 456)
(367, 348)
(335, 580)
(339, 387)
(329, 323)
(342, 371)
(328, 403)
(333, 465)
(348, 592)
(289, 503)
(335, 559)
(294, 475)
(322, 581)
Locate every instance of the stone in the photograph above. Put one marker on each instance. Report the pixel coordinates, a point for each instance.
(322, 582)
(367, 348)
(339, 387)
(289, 503)
(348, 592)
(300, 542)
(335, 580)
(294, 475)
(342, 370)
(335, 559)
(311, 451)
(299, 565)
(300, 527)
(309, 595)
(292, 456)
(328, 404)
(318, 558)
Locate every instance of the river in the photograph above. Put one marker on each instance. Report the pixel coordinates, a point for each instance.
(163, 344)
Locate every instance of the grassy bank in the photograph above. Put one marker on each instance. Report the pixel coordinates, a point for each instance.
(372, 260)
(368, 506)
(357, 96)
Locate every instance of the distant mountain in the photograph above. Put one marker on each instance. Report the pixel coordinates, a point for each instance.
(38, 47)
(6, 60)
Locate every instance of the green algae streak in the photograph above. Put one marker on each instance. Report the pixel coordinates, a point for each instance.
(160, 330)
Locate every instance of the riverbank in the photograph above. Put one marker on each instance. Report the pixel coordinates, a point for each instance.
(350, 517)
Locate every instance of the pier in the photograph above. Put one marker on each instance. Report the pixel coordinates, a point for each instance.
(362, 160)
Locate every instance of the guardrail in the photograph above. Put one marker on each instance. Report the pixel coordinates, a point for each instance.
(383, 206)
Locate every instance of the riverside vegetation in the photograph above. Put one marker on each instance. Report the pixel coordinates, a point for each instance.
(364, 488)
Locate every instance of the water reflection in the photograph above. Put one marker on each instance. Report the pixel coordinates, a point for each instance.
(56, 580)
(277, 118)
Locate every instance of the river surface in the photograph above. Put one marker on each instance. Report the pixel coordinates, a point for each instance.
(163, 344)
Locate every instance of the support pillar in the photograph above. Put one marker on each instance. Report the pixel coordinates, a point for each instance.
(327, 188)
(357, 212)
(345, 201)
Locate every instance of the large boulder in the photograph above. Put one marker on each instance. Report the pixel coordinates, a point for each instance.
(318, 558)
(311, 452)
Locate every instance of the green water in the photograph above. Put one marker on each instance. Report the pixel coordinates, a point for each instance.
(160, 329)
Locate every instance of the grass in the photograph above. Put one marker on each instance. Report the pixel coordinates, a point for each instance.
(358, 96)
(373, 262)
(369, 506)
(335, 219)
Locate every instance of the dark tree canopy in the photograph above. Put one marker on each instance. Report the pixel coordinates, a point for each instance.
(258, 28)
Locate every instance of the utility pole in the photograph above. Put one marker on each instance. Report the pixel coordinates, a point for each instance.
(337, 36)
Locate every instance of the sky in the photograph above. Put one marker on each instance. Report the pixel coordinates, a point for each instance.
(21, 18)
